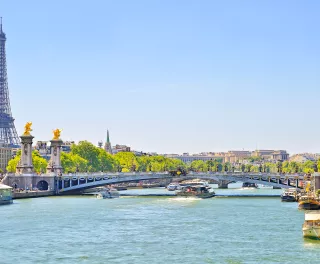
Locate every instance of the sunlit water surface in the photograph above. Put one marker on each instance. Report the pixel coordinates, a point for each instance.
(84, 229)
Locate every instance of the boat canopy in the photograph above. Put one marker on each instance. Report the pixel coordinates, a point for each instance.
(4, 187)
(312, 216)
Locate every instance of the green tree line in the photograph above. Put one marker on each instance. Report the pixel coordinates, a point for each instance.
(85, 157)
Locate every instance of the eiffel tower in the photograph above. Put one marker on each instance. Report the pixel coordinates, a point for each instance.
(8, 131)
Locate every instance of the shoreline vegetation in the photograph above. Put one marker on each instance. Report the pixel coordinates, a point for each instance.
(85, 157)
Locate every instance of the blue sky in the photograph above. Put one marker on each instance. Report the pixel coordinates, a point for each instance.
(169, 76)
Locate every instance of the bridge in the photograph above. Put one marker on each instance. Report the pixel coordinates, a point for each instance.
(77, 182)
(54, 180)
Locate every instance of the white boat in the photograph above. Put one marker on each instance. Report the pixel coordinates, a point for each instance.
(173, 186)
(311, 226)
(198, 191)
(108, 193)
(195, 182)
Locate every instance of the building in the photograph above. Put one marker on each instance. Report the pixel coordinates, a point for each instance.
(186, 158)
(236, 156)
(303, 157)
(45, 151)
(281, 155)
(120, 148)
(272, 155)
(107, 146)
(5, 155)
(66, 146)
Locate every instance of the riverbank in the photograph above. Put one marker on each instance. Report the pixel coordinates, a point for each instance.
(217, 195)
(32, 194)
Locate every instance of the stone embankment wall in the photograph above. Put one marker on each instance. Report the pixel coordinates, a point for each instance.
(21, 195)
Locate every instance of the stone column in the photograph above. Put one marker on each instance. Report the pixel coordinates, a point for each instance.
(54, 164)
(223, 184)
(25, 165)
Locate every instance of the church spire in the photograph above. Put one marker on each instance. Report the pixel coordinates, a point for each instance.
(107, 145)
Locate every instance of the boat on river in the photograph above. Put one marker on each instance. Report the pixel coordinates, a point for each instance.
(173, 186)
(311, 225)
(308, 203)
(195, 182)
(5, 194)
(198, 191)
(108, 193)
(249, 185)
(290, 195)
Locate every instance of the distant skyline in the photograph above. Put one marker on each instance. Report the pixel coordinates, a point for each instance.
(167, 76)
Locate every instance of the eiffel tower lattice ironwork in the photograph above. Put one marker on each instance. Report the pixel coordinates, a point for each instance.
(8, 131)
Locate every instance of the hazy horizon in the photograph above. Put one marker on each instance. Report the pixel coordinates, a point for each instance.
(167, 76)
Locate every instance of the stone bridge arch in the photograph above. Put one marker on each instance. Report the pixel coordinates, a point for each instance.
(42, 185)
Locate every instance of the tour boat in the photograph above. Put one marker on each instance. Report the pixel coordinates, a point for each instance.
(198, 191)
(108, 193)
(173, 186)
(195, 182)
(248, 185)
(5, 194)
(289, 195)
(311, 225)
(308, 203)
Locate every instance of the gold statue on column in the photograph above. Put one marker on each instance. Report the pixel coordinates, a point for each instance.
(56, 134)
(27, 129)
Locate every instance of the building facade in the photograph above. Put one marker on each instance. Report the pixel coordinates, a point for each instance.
(236, 156)
(44, 149)
(120, 148)
(5, 155)
(272, 155)
(186, 158)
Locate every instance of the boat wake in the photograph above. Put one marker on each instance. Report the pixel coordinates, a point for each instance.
(184, 199)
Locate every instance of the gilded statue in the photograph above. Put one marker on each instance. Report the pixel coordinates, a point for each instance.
(56, 134)
(27, 129)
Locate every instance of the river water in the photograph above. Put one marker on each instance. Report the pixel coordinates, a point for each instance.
(83, 229)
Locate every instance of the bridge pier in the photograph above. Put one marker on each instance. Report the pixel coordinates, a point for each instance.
(223, 184)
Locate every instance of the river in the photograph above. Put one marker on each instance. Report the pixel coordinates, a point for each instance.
(82, 229)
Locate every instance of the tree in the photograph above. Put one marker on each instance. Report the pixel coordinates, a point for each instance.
(89, 152)
(106, 161)
(308, 166)
(73, 163)
(97, 159)
(210, 164)
(127, 161)
(248, 167)
(12, 164)
(199, 165)
(279, 166)
(39, 163)
(293, 167)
